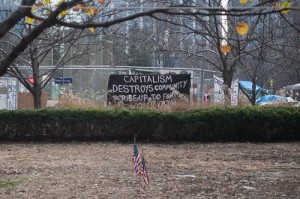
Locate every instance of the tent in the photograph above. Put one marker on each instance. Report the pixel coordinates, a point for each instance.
(293, 87)
(247, 86)
(269, 99)
(293, 91)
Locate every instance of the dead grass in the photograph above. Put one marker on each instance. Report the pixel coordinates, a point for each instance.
(74, 101)
(70, 100)
(190, 170)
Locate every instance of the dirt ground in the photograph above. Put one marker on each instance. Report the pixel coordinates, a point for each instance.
(188, 170)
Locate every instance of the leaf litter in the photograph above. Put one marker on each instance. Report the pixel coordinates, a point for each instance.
(187, 170)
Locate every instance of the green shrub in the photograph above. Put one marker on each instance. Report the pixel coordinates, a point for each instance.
(205, 124)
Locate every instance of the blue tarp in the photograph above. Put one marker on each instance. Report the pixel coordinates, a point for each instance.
(247, 85)
(271, 98)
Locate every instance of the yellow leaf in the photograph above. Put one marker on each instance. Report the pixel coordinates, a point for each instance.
(60, 2)
(47, 2)
(29, 20)
(244, 1)
(225, 48)
(88, 12)
(91, 11)
(242, 28)
(101, 1)
(92, 29)
(32, 9)
(285, 5)
(63, 13)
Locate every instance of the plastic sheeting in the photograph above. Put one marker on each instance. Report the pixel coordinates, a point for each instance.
(267, 99)
(247, 85)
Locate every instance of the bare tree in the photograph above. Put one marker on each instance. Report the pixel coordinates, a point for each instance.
(273, 53)
(203, 37)
(43, 47)
(94, 14)
(208, 26)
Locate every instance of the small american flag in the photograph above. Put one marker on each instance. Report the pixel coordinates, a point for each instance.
(136, 159)
(144, 173)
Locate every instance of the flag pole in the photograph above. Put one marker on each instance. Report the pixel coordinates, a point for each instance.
(133, 172)
(142, 182)
(145, 178)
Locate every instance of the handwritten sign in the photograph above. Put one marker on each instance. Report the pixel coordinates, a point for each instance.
(8, 93)
(219, 91)
(131, 89)
(235, 92)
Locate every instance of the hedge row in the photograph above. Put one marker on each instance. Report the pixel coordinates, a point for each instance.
(209, 124)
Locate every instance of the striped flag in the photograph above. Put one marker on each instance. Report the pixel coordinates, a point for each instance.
(144, 173)
(136, 159)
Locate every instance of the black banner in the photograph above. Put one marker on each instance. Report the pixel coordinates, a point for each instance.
(132, 89)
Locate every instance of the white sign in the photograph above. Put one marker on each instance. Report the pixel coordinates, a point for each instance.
(219, 91)
(8, 96)
(235, 92)
(3, 101)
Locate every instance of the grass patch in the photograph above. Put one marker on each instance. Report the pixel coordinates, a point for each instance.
(10, 183)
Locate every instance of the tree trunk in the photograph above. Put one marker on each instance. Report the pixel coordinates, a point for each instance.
(37, 89)
(37, 92)
(227, 77)
(227, 94)
(37, 96)
(253, 93)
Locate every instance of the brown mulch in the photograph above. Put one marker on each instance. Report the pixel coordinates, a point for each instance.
(188, 170)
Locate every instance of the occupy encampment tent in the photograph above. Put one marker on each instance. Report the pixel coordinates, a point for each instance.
(293, 87)
(247, 86)
(269, 99)
(293, 90)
